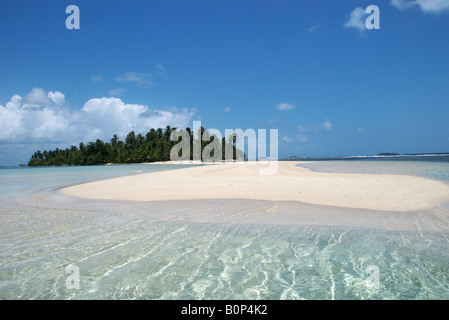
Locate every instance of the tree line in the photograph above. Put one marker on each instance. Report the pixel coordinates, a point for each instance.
(154, 146)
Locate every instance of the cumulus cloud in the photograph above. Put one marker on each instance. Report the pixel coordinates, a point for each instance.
(227, 109)
(39, 116)
(111, 115)
(427, 6)
(285, 106)
(36, 97)
(45, 118)
(10, 119)
(57, 97)
(356, 19)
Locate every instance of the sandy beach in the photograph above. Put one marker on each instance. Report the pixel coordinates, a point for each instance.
(290, 183)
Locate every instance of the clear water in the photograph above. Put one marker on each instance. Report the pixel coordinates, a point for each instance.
(428, 169)
(214, 249)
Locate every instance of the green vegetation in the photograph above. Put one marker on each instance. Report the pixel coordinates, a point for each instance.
(154, 146)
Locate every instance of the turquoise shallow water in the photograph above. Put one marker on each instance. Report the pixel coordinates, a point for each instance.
(428, 169)
(204, 250)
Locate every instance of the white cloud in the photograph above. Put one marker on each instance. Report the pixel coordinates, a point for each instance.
(161, 70)
(50, 125)
(433, 6)
(313, 28)
(302, 137)
(298, 138)
(302, 128)
(327, 125)
(359, 129)
(402, 4)
(96, 78)
(227, 109)
(427, 6)
(57, 97)
(112, 115)
(36, 117)
(36, 97)
(137, 77)
(286, 138)
(10, 119)
(116, 92)
(52, 121)
(285, 106)
(356, 19)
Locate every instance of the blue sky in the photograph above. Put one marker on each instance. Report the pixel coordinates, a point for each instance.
(329, 87)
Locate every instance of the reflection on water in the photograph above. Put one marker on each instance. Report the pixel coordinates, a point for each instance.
(207, 250)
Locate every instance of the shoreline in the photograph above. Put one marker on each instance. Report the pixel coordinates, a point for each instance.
(290, 183)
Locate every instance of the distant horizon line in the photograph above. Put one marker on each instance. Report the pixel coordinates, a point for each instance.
(379, 155)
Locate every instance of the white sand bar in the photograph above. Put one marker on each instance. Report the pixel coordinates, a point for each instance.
(290, 183)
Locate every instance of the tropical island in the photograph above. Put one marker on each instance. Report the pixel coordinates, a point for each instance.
(154, 146)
